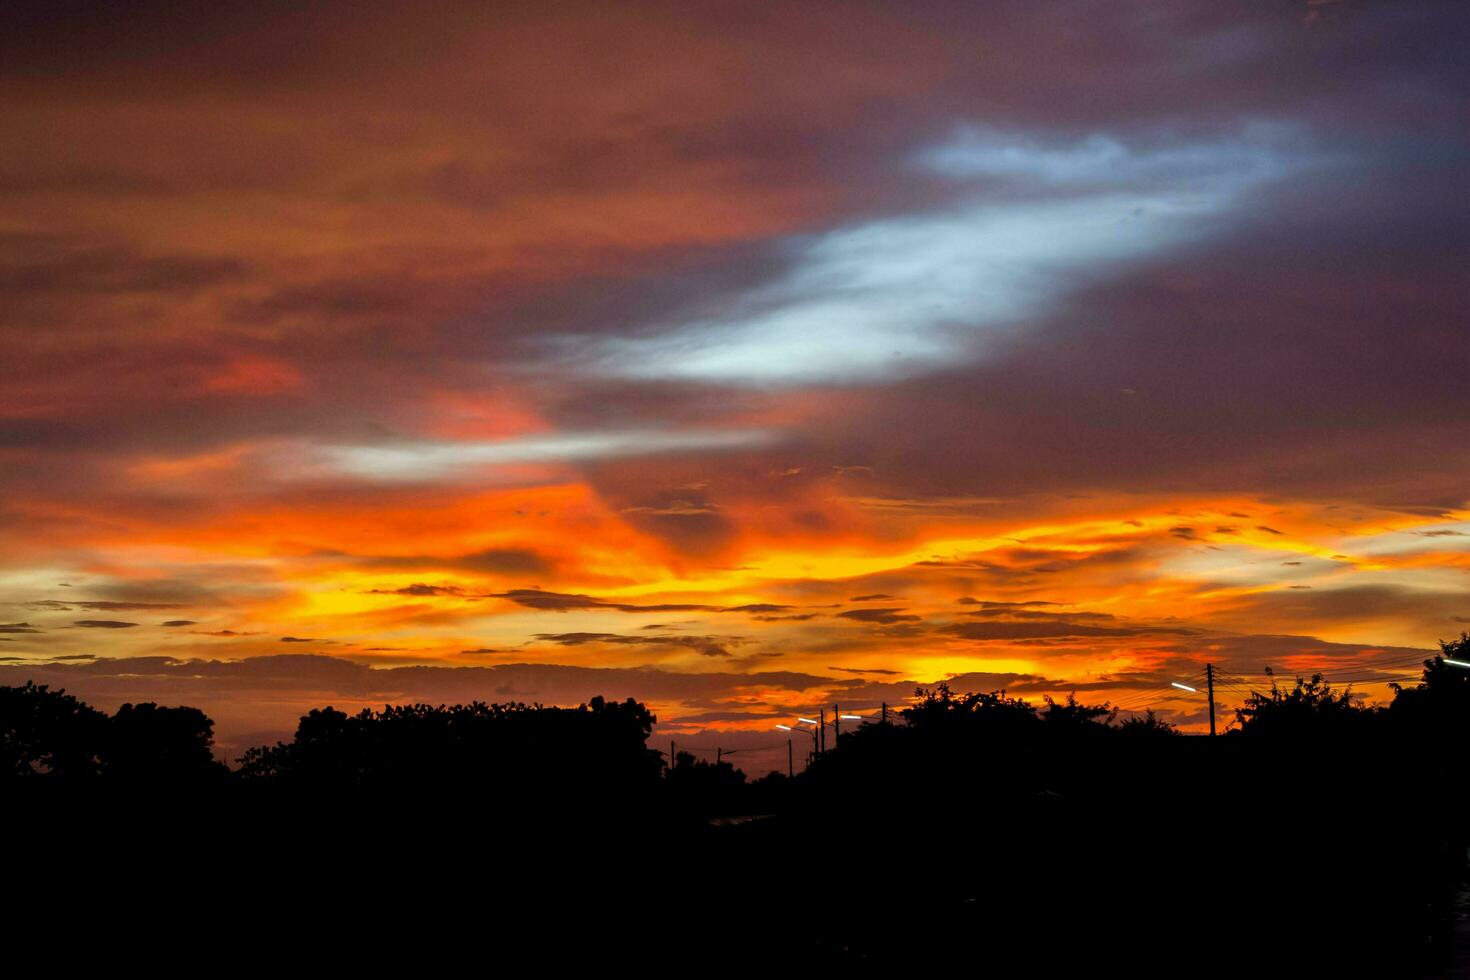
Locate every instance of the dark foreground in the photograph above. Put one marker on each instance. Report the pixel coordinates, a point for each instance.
(1185, 880)
(977, 834)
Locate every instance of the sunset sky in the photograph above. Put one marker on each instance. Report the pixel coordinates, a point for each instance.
(738, 358)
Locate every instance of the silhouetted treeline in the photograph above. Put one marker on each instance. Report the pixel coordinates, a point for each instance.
(1319, 834)
(975, 830)
(50, 736)
(596, 749)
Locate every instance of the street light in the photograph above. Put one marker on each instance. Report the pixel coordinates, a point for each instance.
(805, 721)
(1457, 663)
(1185, 687)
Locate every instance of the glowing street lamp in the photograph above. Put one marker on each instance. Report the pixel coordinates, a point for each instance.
(804, 721)
(1184, 687)
(1457, 663)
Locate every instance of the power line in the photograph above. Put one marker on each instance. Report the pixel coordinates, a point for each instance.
(1133, 703)
(1354, 666)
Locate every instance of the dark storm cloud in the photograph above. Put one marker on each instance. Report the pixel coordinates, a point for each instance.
(341, 300)
(1034, 615)
(34, 266)
(563, 602)
(1352, 604)
(886, 616)
(1032, 631)
(492, 561)
(694, 527)
(1253, 394)
(1353, 79)
(1250, 654)
(709, 646)
(164, 592)
(419, 589)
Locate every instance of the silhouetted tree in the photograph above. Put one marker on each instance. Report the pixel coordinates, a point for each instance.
(52, 734)
(1073, 717)
(940, 710)
(1438, 707)
(156, 745)
(49, 733)
(705, 787)
(1309, 708)
(467, 749)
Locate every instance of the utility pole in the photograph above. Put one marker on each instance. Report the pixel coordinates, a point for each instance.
(836, 726)
(719, 754)
(1210, 688)
(790, 760)
(671, 755)
(885, 712)
(821, 731)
